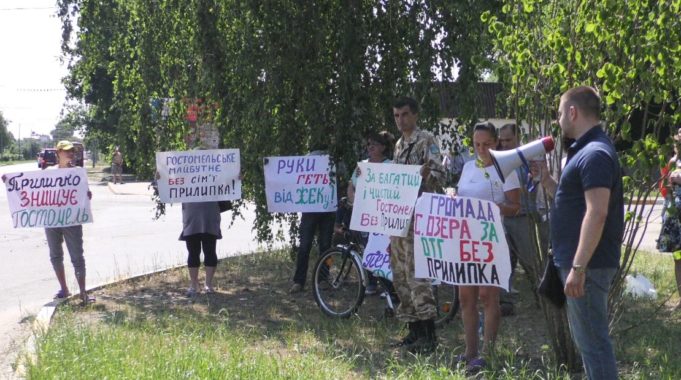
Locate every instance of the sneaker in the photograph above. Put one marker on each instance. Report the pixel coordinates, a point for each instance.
(208, 290)
(371, 290)
(296, 288)
(191, 293)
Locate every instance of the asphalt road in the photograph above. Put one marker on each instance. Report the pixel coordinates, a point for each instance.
(123, 241)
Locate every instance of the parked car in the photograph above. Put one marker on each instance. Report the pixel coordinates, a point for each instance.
(47, 157)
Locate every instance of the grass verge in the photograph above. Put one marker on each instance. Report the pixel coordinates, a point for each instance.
(252, 328)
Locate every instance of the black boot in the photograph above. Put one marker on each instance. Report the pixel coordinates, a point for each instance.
(427, 341)
(412, 336)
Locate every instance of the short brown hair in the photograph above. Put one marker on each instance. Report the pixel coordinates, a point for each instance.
(586, 99)
(487, 127)
(512, 126)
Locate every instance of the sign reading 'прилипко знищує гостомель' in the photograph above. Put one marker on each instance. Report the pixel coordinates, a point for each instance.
(48, 198)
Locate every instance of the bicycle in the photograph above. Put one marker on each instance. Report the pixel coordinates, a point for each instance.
(339, 282)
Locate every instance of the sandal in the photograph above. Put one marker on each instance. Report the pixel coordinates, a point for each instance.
(61, 294)
(88, 300)
(476, 365)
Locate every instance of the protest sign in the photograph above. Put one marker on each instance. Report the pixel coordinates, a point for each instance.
(48, 198)
(384, 198)
(300, 184)
(377, 256)
(199, 175)
(460, 241)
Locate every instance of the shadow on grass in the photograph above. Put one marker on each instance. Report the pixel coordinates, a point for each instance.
(648, 337)
(252, 300)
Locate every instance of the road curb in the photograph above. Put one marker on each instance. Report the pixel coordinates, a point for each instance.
(130, 188)
(43, 319)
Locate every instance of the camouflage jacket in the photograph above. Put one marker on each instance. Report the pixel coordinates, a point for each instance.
(419, 149)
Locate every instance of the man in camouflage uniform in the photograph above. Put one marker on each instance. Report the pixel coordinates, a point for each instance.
(417, 305)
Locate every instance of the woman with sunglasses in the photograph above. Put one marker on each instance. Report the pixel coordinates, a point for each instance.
(480, 180)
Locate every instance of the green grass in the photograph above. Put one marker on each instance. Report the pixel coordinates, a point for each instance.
(172, 347)
(253, 329)
(649, 334)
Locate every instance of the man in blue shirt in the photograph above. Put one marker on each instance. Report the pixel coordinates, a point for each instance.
(587, 225)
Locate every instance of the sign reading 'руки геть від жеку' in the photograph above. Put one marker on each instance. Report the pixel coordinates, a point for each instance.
(300, 184)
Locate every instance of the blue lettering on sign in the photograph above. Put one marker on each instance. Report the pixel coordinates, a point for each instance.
(283, 197)
(462, 208)
(297, 165)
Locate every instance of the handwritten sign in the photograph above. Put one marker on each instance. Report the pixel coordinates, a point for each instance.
(377, 256)
(48, 198)
(384, 198)
(300, 184)
(460, 241)
(199, 175)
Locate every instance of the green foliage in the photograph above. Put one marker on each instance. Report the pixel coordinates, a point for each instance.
(286, 77)
(74, 120)
(630, 51)
(6, 138)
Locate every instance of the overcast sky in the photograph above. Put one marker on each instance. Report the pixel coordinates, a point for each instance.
(31, 93)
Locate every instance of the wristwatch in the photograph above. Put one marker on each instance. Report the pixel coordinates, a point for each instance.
(579, 269)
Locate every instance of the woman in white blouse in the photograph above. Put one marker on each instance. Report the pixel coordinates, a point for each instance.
(480, 180)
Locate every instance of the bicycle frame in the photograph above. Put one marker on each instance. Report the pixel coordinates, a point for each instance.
(352, 250)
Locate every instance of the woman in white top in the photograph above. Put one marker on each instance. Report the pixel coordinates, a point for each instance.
(480, 180)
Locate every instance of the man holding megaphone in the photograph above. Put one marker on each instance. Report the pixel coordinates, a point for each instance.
(587, 225)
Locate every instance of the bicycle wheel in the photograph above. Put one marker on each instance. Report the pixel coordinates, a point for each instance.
(446, 302)
(338, 282)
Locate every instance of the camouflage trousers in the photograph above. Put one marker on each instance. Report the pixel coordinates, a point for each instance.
(416, 296)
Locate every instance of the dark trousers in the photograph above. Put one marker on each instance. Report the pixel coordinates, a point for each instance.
(311, 222)
(194, 243)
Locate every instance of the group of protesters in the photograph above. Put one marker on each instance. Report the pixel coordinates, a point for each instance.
(587, 211)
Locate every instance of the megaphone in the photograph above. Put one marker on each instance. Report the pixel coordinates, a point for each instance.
(506, 161)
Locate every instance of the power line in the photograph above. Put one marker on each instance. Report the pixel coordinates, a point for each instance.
(26, 8)
(40, 89)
